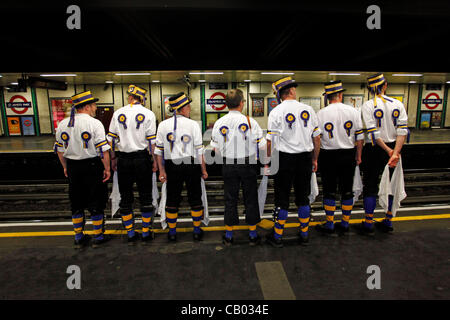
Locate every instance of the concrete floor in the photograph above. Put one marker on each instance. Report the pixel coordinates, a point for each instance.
(414, 264)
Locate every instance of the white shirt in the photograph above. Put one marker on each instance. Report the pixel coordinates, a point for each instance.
(132, 128)
(186, 142)
(86, 139)
(294, 124)
(386, 126)
(341, 126)
(234, 138)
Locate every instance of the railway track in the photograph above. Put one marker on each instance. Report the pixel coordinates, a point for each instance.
(48, 200)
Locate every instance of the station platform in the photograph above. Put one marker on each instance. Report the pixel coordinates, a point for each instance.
(413, 263)
(44, 144)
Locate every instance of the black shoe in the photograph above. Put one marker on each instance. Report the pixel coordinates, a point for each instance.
(83, 241)
(270, 239)
(361, 229)
(303, 240)
(384, 227)
(97, 242)
(172, 237)
(255, 241)
(133, 239)
(340, 229)
(148, 238)
(227, 241)
(324, 230)
(198, 236)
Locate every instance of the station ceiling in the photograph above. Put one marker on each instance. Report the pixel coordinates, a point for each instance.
(175, 35)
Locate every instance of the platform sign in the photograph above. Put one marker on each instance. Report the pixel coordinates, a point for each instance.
(18, 104)
(432, 100)
(216, 102)
(14, 126)
(27, 126)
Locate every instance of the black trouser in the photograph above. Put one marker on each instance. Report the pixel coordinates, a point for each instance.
(294, 169)
(179, 173)
(233, 176)
(374, 159)
(337, 168)
(86, 189)
(135, 167)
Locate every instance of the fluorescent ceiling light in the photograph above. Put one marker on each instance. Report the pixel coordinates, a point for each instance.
(109, 81)
(287, 73)
(412, 81)
(1, 76)
(14, 83)
(155, 80)
(59, 75)
(407, 75)
(134, 74)
(448, 82)
(205, 72)
(201, 80)
(344, 74)
(247, 80)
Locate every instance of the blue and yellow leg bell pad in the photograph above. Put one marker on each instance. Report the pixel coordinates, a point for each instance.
(228, 231)
(388, 220)
(303, 217)
(330, 207)
(347, 207)
(252, 231)
(128, 222)
(97, 222)
(369, 208)
(279, 225)
(146, 221)
(78, 224)
(197, 216)
(171, 218)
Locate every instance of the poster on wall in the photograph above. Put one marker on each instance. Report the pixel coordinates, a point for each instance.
(60, 109)
(165, 106)
(258, 107)
(354, 100)
(14, 126)
(436, 119)
(398, 97)
(313, 102)
(425, 120)
(27, 126)
(271, 104)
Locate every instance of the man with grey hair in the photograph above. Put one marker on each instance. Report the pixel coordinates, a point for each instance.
(239, 139)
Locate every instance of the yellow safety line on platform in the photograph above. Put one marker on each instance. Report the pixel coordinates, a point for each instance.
(216, 228)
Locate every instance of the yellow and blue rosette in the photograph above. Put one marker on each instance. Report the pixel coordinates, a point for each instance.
(85, 136)
(348, 125)
(329, 128)
(171, 138)
(185, 139)
(224, 132)
(243, 127)
(305, 117)
(122, 120)
(65, 137)
(290, 119)
(139, 119)
(378, 114)
(395, 115)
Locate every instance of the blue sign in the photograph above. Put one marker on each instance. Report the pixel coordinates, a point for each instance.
(432, 101)
(18, 104)
(215, 101)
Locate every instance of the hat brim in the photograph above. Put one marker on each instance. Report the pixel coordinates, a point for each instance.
(341, 90)
(86, 102)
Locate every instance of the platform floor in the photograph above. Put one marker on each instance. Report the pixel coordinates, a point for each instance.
(45, 143)
(414, 263)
